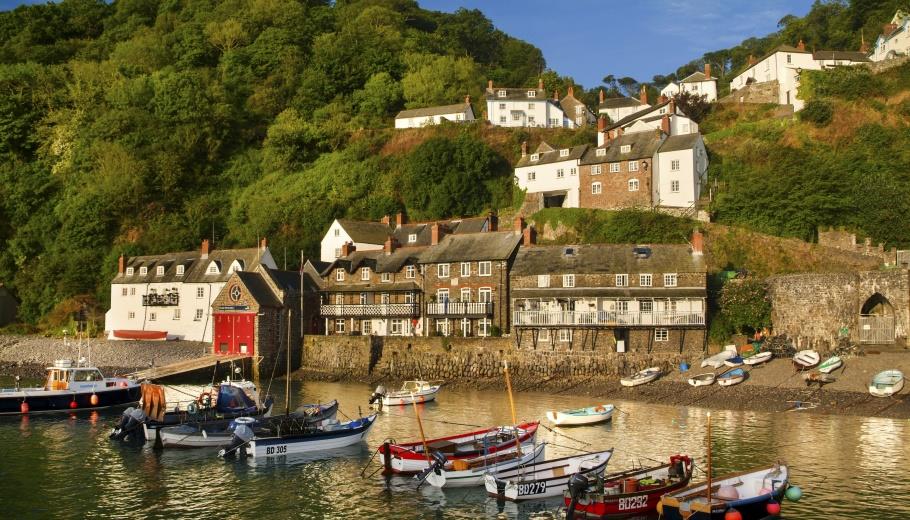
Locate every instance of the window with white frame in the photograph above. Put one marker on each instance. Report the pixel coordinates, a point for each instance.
(339, 299)
(661, 335)
(410, 271)
(176, 314)
(483, 327)
(199, 315)
(153, 316)
(532, 176)
(502, 119)
(143, 271)
(465, 269)
(535, 156)
(213, 269)
(397, 327)
(180, 270)
(200, 292)
(543, 335)
(132, 291)
(614, 167)
(560, 173)
(601, 152)
(670, 280)
(123, 292)
(674, 186)
(442, 295)
(130, 315)
(384, 298)
(530, 106)
(363, 298)
(646, 306)
(568, 280)
(626, 148)
(622, 280)
(532, 93)
(596, 169)
(337, 252)
(442, 270)
(159, 271)
(412, 238)
(485, 268)
(564, 152)
(633, 184)
(129, 271)
(565, 335)
(366, 327)
(409, 297)
(633, 166)
(501, 93)
(339, 326)
(442, 327)
(485, 294)
(386, 277)
(337, 232)
(466, 294)
(339, 275)
(364, 273)
(644, 280)
(554, 122)
(622, 306)
(596, 188)
(573, 171)
(516, 116)
(543, 280)
(674, 165)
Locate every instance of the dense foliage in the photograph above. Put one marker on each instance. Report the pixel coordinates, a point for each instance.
(629, 226)
(745, 305)
(143, 126)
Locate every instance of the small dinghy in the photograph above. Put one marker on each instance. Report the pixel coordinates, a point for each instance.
(749, 493)
(632, 492)
(735, 361)
(717, 360)
(411, 392)
(581, 416)
(757, 359)
(887, 383)
(706, 379)
(645, 376)
(818, 378)
(806, 359)
(545, 479)
(470, 472)
(731, 377)
(830, 365)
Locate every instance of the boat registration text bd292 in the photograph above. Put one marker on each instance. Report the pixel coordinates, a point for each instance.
(280, 449)
(628, 503)
(532, 488)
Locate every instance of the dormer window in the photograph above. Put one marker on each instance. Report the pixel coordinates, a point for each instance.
(412, 238)
(564, 152)
(532, 93)
(143, 271)
(601, 152)
(364, 273)
(626, 148)
(180, 269)
(535, 156)
(130, 271)
(159, 271)
(662, 111)
(501, 93)
(213, 269)
(337, 232)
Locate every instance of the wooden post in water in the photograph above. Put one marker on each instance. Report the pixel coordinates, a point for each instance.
(423, 438)
(709, 463)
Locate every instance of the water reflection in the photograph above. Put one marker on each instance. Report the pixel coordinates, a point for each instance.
(847, 466)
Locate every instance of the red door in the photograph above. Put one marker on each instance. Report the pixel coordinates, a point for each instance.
(234, 333)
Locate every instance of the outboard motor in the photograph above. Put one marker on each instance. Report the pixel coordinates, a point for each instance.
(243, 434)
(436, 465)
(378, 394)
(578, 484)
(131, 421)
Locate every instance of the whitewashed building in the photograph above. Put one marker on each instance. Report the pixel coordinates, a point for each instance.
(420, 117)
(681, 169)
(619, 107)
(365, 235)
(532, 107)
(551, 172)
(648, 120)
(171, 294)
(894, 40)
(698, 83)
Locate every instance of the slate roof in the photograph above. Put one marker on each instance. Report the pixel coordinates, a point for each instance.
(423, 230)
(365, 231)
(606, 258)
(406, 286)
(697, 77)
(637, 115)
(619, 102)
(515, 94)
(569, 105)
(679, 142)
(377, 260)
(643, 144)
(195, 267)
(840, 55)
(457, 108)
(549, 155)
(472, 247)
(259, 289)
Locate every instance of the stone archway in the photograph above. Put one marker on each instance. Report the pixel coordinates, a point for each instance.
(876, 320)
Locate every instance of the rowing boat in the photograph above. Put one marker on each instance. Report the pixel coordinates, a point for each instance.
(581, 416)
(640, 378)
(545, 479)
(706, 379)
(470, 472)
(887, 383)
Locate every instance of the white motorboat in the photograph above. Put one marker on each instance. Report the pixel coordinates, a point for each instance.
(417, 391)
(545, 479)
(806, 359)
(645, 376)
(732, 377)
(581, 416)
(276, 440)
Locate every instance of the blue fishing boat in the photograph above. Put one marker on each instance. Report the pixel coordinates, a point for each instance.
(755, 494)
(731, 377)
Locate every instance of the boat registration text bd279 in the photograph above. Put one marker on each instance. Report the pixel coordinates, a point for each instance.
(628, 503)
(532, 488)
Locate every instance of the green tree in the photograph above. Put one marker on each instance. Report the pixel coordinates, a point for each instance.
(440, 80)
(745, 305)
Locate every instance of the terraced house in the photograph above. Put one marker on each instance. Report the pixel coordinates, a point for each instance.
(532, 107)
(620, 297)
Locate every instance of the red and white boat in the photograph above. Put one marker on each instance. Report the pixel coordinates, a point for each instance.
(145, 335)
(632, 492)
(409, 457)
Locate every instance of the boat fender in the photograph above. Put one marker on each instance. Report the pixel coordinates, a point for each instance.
(733, 514)
(192, 408)
(600, 409)
(205, 399)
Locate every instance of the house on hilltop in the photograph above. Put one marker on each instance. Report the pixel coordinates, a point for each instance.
(420, 117)
(617, 108)
(697, 83)
(664, 116)
(894, 41)
(532, 107)
(552, 173)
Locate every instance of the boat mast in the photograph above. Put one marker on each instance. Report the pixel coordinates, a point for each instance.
(287, 377)
(423, 437)
(709, 463)
(512, 407)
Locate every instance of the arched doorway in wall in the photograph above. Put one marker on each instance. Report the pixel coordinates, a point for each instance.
(876, 321)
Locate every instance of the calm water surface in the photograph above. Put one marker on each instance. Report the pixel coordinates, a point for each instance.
(65, 467)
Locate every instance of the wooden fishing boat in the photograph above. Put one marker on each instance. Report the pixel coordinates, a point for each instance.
(887, 383)
(581, 416)
(735, 361)
(830, 365)
(470, 472)
(216, 434)
(545, 479)
(632, 492)
(748, 492)
(805, 359)
(732, 377)
(139, 335)
(759, 358)
(640, 378)
(70, 387)
(717, 360)
(411, 392)
(705, 379)
(409, 457)
(289, 437)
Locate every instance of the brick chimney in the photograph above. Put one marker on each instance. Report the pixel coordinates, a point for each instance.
(386, 219)
(601, 96)
(571, 92)
(707, 70)
(400, 219)
(121, 265)
(205, 248)
(519, 225)
(863, 46)
(264, 243)
(665, 124)
(347, 248)
(539, 83)
(489, 84)
(618, 132)
(493, 220)
(698, 243)
(601, 123)
(752, 60)
(672, 107)
(524, 148)
(390, 245)
(437, 231)
(662, 99)
(529, 236)
(801, 45)
(643, 95)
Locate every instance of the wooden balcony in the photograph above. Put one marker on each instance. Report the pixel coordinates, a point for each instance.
(460, 309)
(370, 310)
(606, 319)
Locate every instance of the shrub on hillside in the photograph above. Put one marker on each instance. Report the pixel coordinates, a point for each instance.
(843, 82)
(819, 112)
(745, 304)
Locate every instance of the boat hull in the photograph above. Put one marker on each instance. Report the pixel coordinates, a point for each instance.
(690, 503)
(43, 401)
(830, 365)
(757, 359)
(545, 480)
(474, 477)
(268, 447)
(596, 415)
(886, 390)
(400, 399)
(751, 509)
(702, 380)
(641, 378)
(140, 335)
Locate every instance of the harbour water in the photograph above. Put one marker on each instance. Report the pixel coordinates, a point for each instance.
(65, 466)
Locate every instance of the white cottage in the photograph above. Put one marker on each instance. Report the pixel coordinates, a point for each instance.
(525, 107)
(420, 117)
(551, 172)
(648, 120)
(680, 171)
(894, 40)
(698, 83)
(365, 235)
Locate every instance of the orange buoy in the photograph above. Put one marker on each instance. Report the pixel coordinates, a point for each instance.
(733, 514)
(73, 404)
(23, 408)
(94, 400)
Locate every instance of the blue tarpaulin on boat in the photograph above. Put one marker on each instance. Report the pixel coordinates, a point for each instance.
(232, 400)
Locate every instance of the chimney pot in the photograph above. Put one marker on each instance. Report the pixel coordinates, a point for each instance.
(390, 245)
(347, 248)
(205, 248)
(519, 225)
(400, 219)
(529, 236)
(601, 123)
(602, 96)
(539, 83)
(665, 124)
(571, 92)
(698, 243)
(264, 243)
(643, 95)
(707, 70)
(467, 100)
(121, 265)
(801, 45)
(662, 99)
(437, 231)
(386, 219)
(672, 110)
(489, 84)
